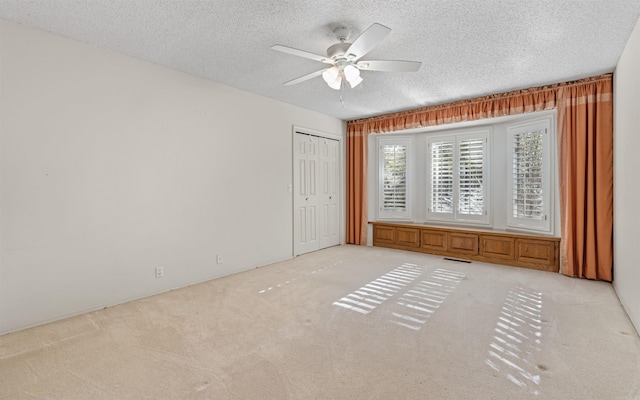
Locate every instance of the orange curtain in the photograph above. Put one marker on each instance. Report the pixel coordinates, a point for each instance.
(357, 202)
(577, 104)
(585, 122)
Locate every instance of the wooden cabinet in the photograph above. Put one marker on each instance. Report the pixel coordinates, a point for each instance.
(384, 235)
(436, 241)
(409, 237)
(400, 237)
(537, 252)
(462, 243)
(502, 247)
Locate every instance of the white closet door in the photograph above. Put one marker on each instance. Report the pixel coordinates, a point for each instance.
(328, 207)
(305, 199)
(316, 201)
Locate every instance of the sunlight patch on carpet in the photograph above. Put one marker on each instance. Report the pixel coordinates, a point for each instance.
(374, 293)
(518, 338)
(421, 301)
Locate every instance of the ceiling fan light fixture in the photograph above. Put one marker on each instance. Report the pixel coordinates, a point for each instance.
(330, 75)
(355, 82)
(336, 84)
(345, 58)
(351, 73)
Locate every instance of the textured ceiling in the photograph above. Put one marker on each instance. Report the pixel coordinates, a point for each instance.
(468, 48)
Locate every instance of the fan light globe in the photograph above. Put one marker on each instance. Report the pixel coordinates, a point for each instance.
(330, 75)
(355, 82)
(336, 83)
(351, 73)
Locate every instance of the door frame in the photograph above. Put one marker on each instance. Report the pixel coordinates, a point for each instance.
(342, 184)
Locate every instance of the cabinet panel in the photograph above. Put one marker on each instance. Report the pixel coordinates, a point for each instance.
(433, 240)
(497, 247)
(538, 252)
(383, 234)
(463, 243)
(409, 237)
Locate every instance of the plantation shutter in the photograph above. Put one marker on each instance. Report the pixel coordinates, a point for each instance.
(527, 175)
(442, 161)
(471, 154)
(530, 189)
(394, 195)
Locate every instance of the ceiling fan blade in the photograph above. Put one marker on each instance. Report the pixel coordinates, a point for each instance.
(388, 65)
(302, 53)
(305, 77)
(367, 41)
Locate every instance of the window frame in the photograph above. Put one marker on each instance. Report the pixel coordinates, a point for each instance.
(498, 157)
(456, 217)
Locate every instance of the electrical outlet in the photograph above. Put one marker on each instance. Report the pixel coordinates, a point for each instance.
(159, 272)
(218, 258)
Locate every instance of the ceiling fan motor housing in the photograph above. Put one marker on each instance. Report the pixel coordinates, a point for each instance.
(339, 50)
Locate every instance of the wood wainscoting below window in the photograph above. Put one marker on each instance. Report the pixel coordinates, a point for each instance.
(508, 248)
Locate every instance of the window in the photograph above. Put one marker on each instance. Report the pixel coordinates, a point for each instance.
(457, 177)
(394, 173)
(530, 176)
(497, 173)
(442, 177)
(471, 166)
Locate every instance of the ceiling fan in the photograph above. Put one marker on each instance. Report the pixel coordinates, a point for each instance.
(345, 58)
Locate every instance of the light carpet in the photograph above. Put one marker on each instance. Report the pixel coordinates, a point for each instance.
(349, 322)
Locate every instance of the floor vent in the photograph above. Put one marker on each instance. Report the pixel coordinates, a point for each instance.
(455, 259)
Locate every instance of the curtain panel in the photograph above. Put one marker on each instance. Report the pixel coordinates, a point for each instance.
(585, 142)
(585, 159)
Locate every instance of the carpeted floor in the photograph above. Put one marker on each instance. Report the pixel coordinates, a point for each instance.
(348, 322)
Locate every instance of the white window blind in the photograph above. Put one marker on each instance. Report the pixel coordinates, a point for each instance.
(530, 176)
(471, 173)
(527, 200)
(395, 177)
(456, 179)
(394, 174)
(442, 177)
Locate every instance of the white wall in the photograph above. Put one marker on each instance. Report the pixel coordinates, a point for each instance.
(626, 177)
(111, 166)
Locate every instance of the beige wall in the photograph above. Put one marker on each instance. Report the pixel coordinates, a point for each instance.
(111, 166)
(627, 177)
